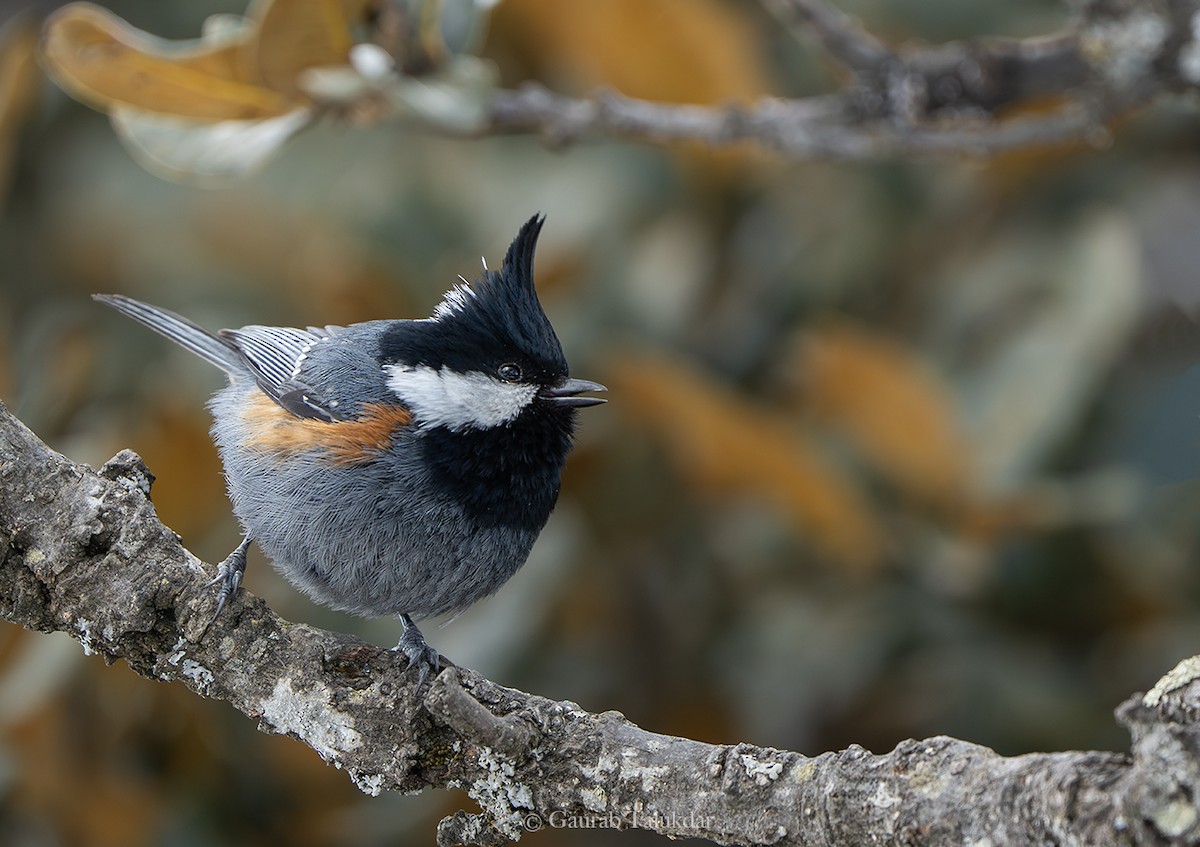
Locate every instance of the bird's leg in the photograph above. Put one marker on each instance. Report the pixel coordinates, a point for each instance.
(229, 577)
(413, 645)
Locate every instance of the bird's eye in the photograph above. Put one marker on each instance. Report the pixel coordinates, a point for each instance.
(509, 372)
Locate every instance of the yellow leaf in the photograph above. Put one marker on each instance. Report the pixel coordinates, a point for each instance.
(724, 443)
(295, 35)
(102, 60)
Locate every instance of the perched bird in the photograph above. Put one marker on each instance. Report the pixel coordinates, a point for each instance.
(393, 467)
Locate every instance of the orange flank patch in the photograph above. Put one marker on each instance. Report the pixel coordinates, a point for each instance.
(348, 442)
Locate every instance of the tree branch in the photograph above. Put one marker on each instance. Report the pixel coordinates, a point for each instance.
(84, 553)
(842, 38)
(976, 97)
(813, 128)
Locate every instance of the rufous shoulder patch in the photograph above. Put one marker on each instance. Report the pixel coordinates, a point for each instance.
(348, 442)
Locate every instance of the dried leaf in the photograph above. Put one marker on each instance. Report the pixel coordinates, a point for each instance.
(220, 105)
(683, 51)
(183, 149)
(891, 406)
(725, 444)
(19, 82)
(102, 60)
(295, 35)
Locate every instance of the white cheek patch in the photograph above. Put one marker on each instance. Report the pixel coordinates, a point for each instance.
(442, 397)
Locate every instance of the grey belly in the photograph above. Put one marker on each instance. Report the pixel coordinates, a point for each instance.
(371, 547)
(421, 564)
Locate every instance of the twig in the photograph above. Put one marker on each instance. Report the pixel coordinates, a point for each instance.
(978, 97)
(810, 128)
(841, 36)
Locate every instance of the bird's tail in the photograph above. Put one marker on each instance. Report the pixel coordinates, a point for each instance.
(207, 345)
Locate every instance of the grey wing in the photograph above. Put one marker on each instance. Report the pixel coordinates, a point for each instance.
(276, 356)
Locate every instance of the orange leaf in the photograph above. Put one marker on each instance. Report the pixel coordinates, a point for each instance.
(682, 51)
(101, 59)
(724, 443)
(897, 412)
(20, 81)
(19, 77)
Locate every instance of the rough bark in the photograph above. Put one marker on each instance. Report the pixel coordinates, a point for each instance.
(83, 552)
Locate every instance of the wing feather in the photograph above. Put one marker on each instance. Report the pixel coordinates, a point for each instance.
(275, 355)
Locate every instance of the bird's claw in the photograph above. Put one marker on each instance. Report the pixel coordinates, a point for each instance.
(418, 652)
(229, 577)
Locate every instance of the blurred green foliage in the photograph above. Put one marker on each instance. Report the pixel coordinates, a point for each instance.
(894, 449)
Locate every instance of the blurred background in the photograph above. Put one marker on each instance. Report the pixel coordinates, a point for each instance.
(894, 449)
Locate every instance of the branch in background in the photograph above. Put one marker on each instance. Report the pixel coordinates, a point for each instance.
(84, 553)
(842, 38)
(814, 128)
(203, 118)
(976, 97)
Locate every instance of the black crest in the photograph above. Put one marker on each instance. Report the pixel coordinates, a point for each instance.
(496, 318)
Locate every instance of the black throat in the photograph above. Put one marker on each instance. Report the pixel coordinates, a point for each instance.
(506, 475)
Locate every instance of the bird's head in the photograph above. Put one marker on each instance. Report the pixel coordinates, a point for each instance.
(488, 356)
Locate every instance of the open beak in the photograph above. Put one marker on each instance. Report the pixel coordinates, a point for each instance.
(567, 392)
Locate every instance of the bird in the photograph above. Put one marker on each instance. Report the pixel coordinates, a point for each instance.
(393, 467)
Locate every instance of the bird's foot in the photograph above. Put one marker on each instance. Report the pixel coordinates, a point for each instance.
(418, 652)
(229, 577)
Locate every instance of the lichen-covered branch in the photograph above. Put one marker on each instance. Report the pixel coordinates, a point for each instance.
(975, 97)
(84, 553)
